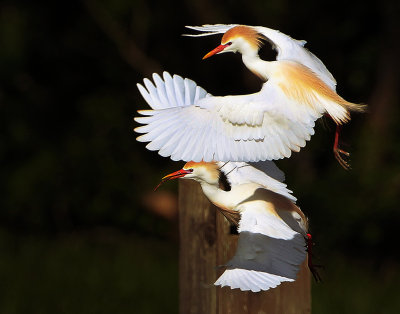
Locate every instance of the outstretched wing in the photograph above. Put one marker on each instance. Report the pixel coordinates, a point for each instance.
(189, 124)
(287, 48)
(209, 29)
(265, 173)
(268, 252)
(293, 50)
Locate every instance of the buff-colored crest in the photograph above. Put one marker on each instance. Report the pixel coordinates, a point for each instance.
(246, 32)
(211, 166)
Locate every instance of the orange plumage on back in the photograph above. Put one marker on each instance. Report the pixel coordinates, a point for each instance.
(301, 84)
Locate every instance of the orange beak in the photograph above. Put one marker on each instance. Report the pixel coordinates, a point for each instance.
(215, 51)
(175, 175)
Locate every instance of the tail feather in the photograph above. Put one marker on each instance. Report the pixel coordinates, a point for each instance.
(355, 107)
(340, 112)
(249, 280)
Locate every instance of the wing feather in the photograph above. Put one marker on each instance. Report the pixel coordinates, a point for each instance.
(161, 90)
(265, 173)
(197, 150)
(179, 88)
(169, 86)
(287, 48)
(145, 95)
(237, 128)
(292, 49)
(210, 29)
(269, 252)
(153, 93)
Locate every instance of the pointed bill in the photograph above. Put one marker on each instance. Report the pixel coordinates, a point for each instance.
(175, 175)
(219, 49)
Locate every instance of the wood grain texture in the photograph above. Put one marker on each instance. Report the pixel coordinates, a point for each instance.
(206, 243)
(197, 252)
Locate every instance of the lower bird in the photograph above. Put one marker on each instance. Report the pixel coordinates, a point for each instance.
(272, 229)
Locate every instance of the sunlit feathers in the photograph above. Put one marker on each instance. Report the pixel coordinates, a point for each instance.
(272, 229)
(248, 33)
(302, 85)
(210, 168)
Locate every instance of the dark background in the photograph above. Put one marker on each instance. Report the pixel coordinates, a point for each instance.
(81, 230)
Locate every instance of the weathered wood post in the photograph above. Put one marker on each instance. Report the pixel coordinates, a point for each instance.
(205, 242)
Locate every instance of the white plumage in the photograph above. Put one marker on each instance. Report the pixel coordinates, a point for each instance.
(186, 123)
(265, 173)
(286, 47)
(272, 228)
(233, 128)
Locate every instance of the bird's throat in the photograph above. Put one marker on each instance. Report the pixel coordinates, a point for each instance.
(263, 69)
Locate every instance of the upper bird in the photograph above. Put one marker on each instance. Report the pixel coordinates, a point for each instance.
(247, 40)
(189, 124)
(272, 229)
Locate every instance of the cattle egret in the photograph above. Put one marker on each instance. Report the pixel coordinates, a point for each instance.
(186, 123)
(272, 229)
(298, 78)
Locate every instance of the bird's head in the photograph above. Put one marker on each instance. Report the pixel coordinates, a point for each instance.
(207, 172)
(242, 39)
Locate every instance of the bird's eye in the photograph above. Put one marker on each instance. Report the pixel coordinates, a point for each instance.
(190, 170)
(229, 43)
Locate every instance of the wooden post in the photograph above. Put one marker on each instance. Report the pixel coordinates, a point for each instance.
(205, 243)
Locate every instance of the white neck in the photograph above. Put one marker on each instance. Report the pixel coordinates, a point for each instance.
(212, 191)
(261, 68)
(228, 199)
(220, 198)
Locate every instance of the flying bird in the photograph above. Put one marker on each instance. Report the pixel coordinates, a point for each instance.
(187, 123)
(272, 229)
(297, 77)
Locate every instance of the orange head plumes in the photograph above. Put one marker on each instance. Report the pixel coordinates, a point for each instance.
(238, 38)
(206, 171)
(248, 33)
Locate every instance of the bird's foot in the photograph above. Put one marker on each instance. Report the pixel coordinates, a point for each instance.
(339, 152)
(338, 155)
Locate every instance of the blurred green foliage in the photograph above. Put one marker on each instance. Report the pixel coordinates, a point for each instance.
(91, 272)
(70, 162)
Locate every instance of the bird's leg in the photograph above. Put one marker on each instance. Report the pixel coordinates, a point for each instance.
(337, 151)
(311, 266)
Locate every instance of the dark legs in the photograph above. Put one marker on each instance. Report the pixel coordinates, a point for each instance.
(311, 266)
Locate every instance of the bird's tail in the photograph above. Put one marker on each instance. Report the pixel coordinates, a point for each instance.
(355, 107)
(252, 280)
(340, 112)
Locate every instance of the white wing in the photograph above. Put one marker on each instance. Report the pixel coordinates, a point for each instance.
(267, 175)
(210, 29)
(286, 47)
(271, 169)
(249, 280)
(268, 253)
(189, 124)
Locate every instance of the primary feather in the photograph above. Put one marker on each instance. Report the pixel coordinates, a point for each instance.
(233, 128)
